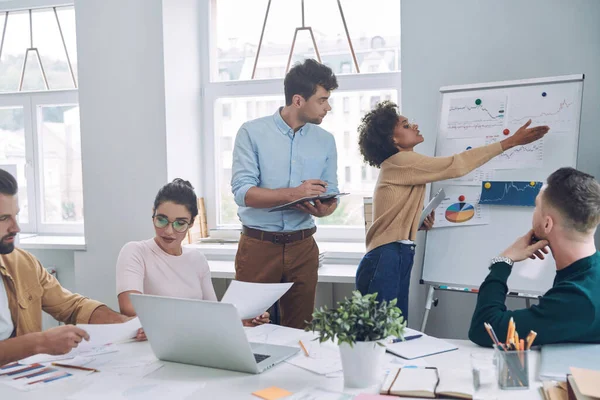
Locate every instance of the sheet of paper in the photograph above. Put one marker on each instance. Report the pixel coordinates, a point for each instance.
(460, 208)
(138, 367)
(519, 157)
(253, 299)
(476, 116)
(323, 359)
(113, 387)
(36, 376)
(319, 394)
(101, 334)
(277, 334)
(437, 199)
(76, 352)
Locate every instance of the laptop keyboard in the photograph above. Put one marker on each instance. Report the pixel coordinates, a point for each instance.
(260, 357)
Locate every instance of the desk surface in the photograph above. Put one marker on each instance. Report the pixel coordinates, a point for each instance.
(221, 384)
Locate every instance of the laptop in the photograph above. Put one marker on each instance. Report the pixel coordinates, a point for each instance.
(203, 333)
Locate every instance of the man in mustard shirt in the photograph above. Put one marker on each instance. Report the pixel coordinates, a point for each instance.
(26, 288)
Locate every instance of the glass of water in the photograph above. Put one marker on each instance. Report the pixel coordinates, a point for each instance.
(485, 385)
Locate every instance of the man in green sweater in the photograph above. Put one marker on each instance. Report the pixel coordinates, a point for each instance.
(566, 215)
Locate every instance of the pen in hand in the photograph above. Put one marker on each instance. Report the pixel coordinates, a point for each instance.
(405, 338)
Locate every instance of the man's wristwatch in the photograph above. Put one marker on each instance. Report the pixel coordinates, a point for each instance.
(501, 259)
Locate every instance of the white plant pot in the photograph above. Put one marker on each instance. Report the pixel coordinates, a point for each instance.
(361, 363)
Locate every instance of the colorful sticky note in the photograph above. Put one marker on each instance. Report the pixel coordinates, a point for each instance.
(272, 393)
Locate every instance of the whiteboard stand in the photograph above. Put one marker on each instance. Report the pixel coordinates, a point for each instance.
(428, 303)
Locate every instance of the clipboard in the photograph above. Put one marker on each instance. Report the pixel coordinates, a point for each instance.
(291, 204)
(436, 201)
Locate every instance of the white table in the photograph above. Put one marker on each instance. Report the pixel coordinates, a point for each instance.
(221, 384)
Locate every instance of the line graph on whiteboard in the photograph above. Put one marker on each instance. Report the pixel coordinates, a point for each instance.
(476, 116)
(554, 106)
(527, 156)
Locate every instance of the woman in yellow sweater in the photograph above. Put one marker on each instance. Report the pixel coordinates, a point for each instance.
(386, 141)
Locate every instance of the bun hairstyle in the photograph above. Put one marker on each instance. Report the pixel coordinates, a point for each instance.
(179, 192)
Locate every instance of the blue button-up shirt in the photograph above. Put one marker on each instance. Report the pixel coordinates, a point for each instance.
(269, 155)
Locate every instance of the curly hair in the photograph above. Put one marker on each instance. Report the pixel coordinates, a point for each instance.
(303, 79)
(376, 131)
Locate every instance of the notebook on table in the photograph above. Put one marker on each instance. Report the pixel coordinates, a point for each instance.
(421, 347)
(428, 383)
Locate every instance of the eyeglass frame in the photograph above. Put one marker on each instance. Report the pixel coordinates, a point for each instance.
(169, 222)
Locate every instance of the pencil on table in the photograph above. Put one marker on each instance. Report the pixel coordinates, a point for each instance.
(303, 348)
(75, 367)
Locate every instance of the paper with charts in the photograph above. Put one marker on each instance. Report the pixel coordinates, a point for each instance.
(553, 105)
(461, 208)
(29, 377)
(519, 157)
(253, 299)
(476, 116)
(475, 177)
(509, 193)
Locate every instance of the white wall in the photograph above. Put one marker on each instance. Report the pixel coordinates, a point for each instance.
(452, 43)
(122, 106)
(181, 38)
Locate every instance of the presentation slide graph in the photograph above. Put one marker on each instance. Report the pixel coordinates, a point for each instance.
(554, 106)
(520, 157)
(460, 212)
(476, 116)
(509, 193)
(461, 208)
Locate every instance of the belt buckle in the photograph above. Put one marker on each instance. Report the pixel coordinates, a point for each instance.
(281, 238)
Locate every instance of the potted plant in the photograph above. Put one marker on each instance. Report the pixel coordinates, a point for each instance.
(359, 324)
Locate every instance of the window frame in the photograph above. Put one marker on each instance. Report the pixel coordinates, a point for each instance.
(30, 101)
(211, 91)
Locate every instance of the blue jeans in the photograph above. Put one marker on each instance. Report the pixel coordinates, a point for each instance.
(386, 271)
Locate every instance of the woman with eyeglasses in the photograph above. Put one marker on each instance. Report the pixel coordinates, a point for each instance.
(162, 266)
(387, 141)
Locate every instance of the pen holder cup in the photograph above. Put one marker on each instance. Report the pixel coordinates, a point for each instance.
(512, 368)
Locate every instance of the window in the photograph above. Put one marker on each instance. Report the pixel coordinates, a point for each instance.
(374, 30)
(347, 143)
(346, 105)
(39, 117)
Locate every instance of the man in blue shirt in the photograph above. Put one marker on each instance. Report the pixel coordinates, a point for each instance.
(278, 159)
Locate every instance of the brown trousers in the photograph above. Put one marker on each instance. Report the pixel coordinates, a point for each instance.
(266, 262)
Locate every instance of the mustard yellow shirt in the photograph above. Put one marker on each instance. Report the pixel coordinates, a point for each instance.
(400, 190)
(31, 289)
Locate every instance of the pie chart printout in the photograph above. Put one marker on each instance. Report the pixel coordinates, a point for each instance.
(460, 212)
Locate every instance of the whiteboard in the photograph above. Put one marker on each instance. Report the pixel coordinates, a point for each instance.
(458, 256)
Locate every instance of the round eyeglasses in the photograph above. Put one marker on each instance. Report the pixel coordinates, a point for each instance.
(178, 225)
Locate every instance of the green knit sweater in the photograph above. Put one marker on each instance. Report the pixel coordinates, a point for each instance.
(568, 312)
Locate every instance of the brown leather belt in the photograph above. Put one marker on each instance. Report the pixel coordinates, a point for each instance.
(278, 237)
